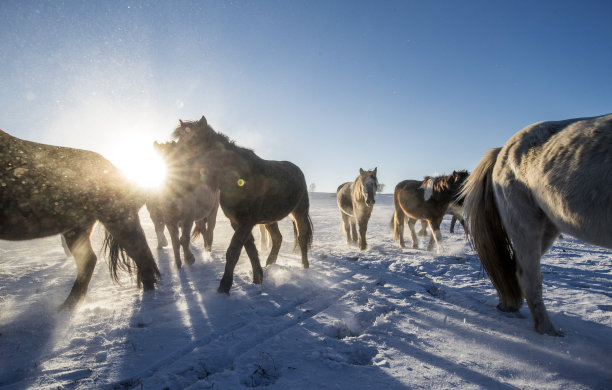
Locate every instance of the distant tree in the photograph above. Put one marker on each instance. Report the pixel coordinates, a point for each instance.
(380, 187)
(313, 186)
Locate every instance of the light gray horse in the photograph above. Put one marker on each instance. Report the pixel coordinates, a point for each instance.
(550, 177)
(178, 205)
(356, 202)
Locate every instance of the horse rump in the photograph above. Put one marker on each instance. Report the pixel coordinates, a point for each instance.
(487, 234)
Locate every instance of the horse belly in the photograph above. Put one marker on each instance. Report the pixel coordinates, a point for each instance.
(15, 227)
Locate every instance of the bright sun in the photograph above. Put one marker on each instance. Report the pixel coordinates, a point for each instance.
(138, 160)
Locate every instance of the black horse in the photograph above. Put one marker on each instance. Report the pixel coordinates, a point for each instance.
(47, 190)
(253, 191)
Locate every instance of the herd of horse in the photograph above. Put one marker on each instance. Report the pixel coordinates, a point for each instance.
(549, 178)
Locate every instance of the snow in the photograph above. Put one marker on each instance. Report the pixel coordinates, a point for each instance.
(385, 318)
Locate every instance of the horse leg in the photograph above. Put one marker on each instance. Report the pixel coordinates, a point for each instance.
(347, 227)
(304, 234)
(251, 250)
(354, 236)
(129, 235)
(530, 277)
(436, 235)
(277, 238)
(211, 222)
(159, 232)
(241, 233)
(176, 244)
(453, 222)
(185, 241)
(423, 231)
(80, 247)
(397, 223)
(210, 231)
(263, 237)
(413, 236)
(363, 227)
(531, 235)
(158, 222)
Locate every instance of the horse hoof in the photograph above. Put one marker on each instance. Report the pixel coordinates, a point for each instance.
(506, 309)
(66, 306)
(148, 285)
(190, 260)
(551, 331)
(223, 290)
(179, 265)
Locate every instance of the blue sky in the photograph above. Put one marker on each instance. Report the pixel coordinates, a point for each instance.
(412, 87)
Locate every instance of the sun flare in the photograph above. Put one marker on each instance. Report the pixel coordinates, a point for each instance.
(139, 162)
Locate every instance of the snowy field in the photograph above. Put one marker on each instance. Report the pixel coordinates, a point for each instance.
(385, 318)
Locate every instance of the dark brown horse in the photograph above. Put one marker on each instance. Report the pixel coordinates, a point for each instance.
(356, 202)
(253, 191)
(427, 199)
(181, 202)
(47, 190)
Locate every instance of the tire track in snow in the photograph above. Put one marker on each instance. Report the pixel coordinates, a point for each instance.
(217, 351)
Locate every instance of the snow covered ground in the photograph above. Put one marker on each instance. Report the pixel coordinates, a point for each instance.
(385, 318)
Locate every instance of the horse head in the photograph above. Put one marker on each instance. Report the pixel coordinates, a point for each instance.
(369, 184)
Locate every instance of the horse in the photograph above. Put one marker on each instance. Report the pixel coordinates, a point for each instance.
(47, 190)
(356, 202)
(252, 191)
(179, 204)
(550, 177)
(427, 199)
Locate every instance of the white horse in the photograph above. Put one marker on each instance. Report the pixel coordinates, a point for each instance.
(550, 177)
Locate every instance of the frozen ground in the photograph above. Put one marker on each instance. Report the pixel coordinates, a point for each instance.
(385, 318)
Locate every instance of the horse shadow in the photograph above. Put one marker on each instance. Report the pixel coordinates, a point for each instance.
(26, 340)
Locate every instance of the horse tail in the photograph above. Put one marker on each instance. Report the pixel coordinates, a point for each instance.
(197, 232)
(397, 220)
(117, 256)
(308, 233)
(487, 234)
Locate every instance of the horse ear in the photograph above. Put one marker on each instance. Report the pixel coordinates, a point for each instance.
(156, 145)
(203, 121)
(375, 169)
(181, 123)
(361, 171)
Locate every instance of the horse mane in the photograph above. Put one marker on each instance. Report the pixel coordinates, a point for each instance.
(205, 134)
(438, 184)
